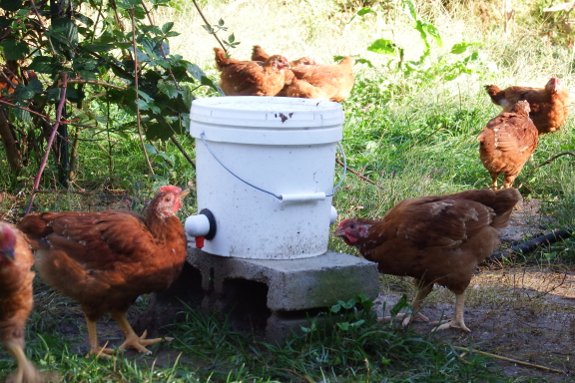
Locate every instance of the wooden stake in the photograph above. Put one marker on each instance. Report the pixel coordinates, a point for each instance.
(510, 360)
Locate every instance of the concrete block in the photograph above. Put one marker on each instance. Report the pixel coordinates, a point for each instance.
(278, 295)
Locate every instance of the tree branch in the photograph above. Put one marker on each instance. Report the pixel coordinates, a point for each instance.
(95, 82)
(208, 24)
(360, 176)
(13, 154)
(136, 69)
(50, 141)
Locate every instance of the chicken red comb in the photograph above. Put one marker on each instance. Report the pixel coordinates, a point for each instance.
(7, 237)
(170, 189)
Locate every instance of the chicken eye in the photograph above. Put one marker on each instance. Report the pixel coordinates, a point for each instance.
(168, 199)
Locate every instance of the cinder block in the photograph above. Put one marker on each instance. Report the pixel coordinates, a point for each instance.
(262, 291)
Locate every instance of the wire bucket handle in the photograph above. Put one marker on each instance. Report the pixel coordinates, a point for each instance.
(294, 197)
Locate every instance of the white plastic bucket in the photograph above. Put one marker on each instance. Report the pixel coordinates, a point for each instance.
(280, 146)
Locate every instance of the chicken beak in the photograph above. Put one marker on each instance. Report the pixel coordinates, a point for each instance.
(184, 193)
(339, 233)
(7, 255)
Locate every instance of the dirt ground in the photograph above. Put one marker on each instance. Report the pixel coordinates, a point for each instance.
(521, 313)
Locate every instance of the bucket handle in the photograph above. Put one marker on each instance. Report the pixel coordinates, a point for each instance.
(285, 197)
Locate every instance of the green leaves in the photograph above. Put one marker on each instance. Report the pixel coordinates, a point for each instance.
(444, 69)
(384, 46)
(409, 8)
(168, 88)
(46, 64)
(359, 302)
(460, 48)
(63, 34)
(10, 5)
(14, 50)
(119, 66)
(400, 305)
(230, 42)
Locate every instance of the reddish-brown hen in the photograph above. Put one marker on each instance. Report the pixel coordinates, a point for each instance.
(251, 78)
(105, 260)
(436, 240)
(507, 142)
(16, 300)
(549, 105)
(307, 79)
(258, 54)
(326, 82)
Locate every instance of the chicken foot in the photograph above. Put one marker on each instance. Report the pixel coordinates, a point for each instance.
(457, 320)
(26, 372)
(134, 341)
(422, 292)
(407, 318)
(95, 349)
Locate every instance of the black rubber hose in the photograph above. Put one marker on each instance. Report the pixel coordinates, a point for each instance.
(532, 244)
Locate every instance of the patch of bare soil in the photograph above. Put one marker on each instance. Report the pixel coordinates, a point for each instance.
(521, 313)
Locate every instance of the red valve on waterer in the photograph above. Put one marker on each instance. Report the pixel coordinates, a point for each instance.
(201, 227)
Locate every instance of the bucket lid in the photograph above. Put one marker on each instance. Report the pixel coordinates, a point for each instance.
(266, 120)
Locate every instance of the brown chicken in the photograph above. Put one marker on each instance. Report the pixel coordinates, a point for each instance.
(251, 78)
(105, 260)
(16, 300)
(258, 54)
(507, 142)
(309, 80)
(438, 239)
(325, 82)
(549, 106)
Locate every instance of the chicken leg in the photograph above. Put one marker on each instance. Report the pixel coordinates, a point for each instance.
(457, 320)
(26, 372)
(134, 341)
(494, 176)
(95, 349)
(422, 292)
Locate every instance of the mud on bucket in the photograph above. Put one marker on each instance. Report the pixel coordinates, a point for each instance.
(265, 172)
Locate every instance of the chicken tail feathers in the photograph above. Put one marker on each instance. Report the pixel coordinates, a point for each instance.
(492, 90)
(505, 200)
(35, 228)
(347, 62)
(221, 60)
(258, 54)
(495, 93)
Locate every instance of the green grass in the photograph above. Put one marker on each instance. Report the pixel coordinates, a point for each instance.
(354, 348)
(409, 134)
